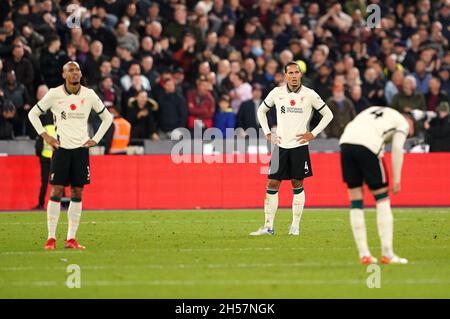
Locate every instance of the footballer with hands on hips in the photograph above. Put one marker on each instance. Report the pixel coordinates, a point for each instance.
(290, 159)
(362, 145)
(71, 104)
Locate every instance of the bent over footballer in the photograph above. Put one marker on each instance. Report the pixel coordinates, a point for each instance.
(71, 104)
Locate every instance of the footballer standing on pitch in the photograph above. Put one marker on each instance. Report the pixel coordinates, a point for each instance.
(362, 146)
(71, 104)
(290, 160)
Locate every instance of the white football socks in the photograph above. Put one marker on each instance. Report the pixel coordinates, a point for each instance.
(53, 212)
(270, 207)
(73, 215)
(298, 202)
(385, 223)
(359, 231)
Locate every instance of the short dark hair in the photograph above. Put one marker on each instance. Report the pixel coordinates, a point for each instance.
(291, 63)
(52, 38)
(242, 75)
(410, 116)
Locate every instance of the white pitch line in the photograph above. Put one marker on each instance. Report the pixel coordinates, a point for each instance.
(182, 266)
(296, 282)
(40, 252)
(155, 249)
(308, 219)
(176, 249)
(100, 222)
(199, 265)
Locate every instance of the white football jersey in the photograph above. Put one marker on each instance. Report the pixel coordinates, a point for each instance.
(374, 127)
(294, 111)
(71, 113)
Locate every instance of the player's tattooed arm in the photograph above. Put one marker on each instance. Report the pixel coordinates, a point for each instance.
(53, 142)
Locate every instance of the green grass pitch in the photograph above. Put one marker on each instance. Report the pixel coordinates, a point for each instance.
(208, 254)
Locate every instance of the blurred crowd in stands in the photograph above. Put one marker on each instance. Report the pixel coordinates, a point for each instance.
(162, 65)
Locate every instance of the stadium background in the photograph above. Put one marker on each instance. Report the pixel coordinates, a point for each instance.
(235, 48)
(154, 182)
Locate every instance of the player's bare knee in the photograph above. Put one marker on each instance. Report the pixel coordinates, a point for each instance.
(76, 192)
(273, 184)
(355, 193)
(380, 194)
(57, 191)
(297, 183)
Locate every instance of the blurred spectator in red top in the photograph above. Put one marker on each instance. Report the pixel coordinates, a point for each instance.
(201, 105)
(435, 96)
(184, 57)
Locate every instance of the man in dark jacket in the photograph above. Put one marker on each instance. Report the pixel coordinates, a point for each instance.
(51, 61)
(246, 116)
(7, 118)
(172, 112)
(438, 130)
(343, 111)
(17, 93)
(102, 34)
(359, 102)
(21, 66)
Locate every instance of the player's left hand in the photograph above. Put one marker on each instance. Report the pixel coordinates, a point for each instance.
(396, 188)
(89, 143)
(305, 137)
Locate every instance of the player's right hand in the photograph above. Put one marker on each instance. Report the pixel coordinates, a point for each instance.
(53, 142)
(396, 188)
(273, 138)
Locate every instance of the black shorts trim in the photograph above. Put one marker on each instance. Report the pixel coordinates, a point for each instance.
(360, 165)
(70, 167)
(290, 163)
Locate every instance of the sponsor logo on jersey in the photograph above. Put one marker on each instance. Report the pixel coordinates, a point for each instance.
(72, 116)
(77, 116)
(294, 110)
(290, 109)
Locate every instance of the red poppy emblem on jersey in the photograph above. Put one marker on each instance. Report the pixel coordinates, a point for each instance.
(292, 102)
(73, 107)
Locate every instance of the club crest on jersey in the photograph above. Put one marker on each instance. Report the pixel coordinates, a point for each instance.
(292, 102)
(73, 107)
